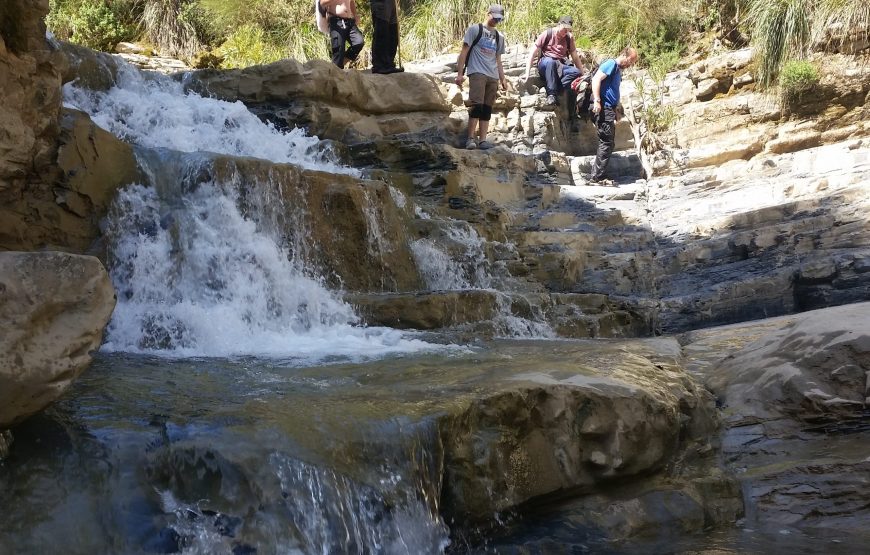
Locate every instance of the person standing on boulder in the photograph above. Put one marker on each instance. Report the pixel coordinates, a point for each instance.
(342, 29)
(605, 99)
(481, 53)
(553, 49)
(385, 36)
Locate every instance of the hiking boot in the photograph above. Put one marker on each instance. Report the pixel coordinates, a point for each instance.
(551, 100)
(603, 182)
(485, 145)
(471, 144)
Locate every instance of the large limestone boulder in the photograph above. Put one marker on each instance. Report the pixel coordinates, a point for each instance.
(573, 429)
(332, 103)
(53, 308)
(816, 368)
(91, 164)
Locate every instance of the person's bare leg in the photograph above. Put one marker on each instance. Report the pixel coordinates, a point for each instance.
(484, 127)
(472, 127)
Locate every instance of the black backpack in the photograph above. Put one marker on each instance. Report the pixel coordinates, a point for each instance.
(480, 34)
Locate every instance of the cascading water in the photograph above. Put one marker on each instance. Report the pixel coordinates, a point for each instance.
(197, 274)
(465, 267)
(154, 111)
(457, 261)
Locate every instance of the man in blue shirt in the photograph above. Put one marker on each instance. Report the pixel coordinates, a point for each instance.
(605, 99)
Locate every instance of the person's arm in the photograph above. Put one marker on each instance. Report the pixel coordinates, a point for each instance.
(501, 77)
(596, 90)
(460, 64)
(576, 58)
(535, 52)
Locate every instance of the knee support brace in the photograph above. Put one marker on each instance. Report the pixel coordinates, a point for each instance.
(486, 112)
(477, 111)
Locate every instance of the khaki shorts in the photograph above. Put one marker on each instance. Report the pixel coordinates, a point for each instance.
(482, 89)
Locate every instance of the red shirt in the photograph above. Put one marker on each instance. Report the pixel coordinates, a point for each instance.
(556, 48)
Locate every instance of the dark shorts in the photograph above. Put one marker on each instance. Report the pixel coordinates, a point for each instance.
(482, 89)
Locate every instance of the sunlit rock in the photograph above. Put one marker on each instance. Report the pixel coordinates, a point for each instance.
(53, 308)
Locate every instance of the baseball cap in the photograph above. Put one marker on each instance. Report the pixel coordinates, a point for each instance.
(496, 11)
(566, 20)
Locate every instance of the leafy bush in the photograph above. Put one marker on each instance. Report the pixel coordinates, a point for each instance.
(796, 78)
(97, 24)
(247, 46)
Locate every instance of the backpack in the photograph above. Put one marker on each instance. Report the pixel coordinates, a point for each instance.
(480, 34)
(582, 87)
(321, 20)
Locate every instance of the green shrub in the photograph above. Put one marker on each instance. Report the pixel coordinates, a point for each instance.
(95, 25)
(796, 78)
(247, 46)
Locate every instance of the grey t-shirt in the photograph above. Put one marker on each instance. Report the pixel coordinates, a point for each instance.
(482, 58)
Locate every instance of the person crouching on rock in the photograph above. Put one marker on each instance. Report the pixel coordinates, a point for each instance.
(554, 48)
(481, 53)
(343, 29)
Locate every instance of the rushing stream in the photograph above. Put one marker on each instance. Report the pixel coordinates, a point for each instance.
(238, 406)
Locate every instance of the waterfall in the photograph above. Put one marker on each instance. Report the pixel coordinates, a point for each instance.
(154, 111)
(455, 261)
(199, 270)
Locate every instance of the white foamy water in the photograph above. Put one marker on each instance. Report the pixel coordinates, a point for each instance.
(456, 261)
(155, 111)
(201, 279)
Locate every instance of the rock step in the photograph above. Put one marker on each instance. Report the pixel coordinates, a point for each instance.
(585, 241)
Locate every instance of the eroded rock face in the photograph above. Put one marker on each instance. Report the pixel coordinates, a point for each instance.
(573, 431)
(793, 395)
(816, 368)
(53, 308)
(30, 88)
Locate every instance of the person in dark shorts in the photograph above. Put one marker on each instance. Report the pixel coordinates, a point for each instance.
(481, 53)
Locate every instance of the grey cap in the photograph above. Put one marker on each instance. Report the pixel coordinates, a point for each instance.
(566, 20)
(496, 11)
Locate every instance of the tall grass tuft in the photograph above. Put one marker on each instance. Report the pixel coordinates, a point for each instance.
(781, 31)
(168, 30)
(846, 15)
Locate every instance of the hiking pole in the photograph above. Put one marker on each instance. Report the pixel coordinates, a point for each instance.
(398, 32)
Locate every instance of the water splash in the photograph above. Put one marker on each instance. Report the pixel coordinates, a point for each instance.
(155, 111)
(197, 277)
(454, 261)
(333, 514)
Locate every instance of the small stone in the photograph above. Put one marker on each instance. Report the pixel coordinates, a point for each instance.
(598, 458)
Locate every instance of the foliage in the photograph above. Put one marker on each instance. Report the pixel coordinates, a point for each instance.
(796, 78)
(247, 46)
(780, 30)
(169, 30)
(786, 29)
(97, 24)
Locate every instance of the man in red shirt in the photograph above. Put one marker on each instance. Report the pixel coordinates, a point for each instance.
(553, 49)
